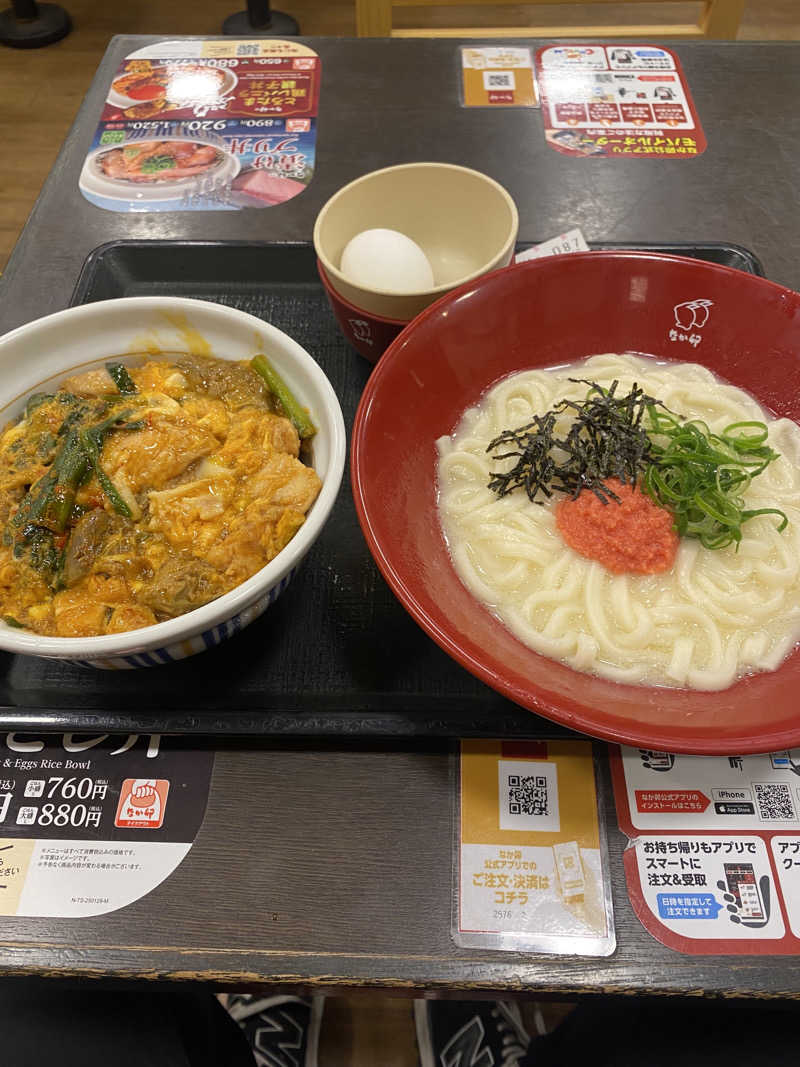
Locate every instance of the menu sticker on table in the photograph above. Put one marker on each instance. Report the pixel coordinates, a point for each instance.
(91, 823)
(607, 100)
(713, 861)
(532, 870)
(206, 126)
(498, 76)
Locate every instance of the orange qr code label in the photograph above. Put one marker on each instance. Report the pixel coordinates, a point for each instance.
(142, 803)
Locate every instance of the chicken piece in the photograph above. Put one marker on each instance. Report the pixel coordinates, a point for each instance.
(287, 526)
(149, 458)
(209, 413)
(254, 436)
(285, 482)
(157, 376)
(248, 546)
(191, 515)
(275, 502)
(108, 589)
(96, 382)
(281, 436)
(129, 617)
(78, 615)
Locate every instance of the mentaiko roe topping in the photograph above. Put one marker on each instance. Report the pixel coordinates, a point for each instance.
(634, 536)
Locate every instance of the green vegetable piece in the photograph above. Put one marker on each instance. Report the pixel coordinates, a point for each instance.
(121, 378)
(48, 506)
(44, 556)
(49, 500)
(35, 401)
(158, 163)
(278, 387)
(11, 621)
(92, 443)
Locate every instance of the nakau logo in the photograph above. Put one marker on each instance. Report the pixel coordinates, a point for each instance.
(361, 330)
(692, 314)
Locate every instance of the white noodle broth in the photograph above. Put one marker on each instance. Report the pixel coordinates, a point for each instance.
(715, 616)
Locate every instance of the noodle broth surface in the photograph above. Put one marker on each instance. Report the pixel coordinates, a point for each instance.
(715, 616)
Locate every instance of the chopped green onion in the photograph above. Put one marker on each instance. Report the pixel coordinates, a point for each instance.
(700, 476)
(158, 163)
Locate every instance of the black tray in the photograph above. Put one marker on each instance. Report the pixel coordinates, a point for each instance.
(336, 654)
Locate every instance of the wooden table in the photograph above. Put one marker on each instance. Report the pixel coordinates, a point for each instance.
(328, 864)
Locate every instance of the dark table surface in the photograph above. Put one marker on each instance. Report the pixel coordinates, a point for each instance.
(329, 864)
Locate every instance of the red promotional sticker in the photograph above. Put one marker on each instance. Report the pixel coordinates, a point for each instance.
(607, 100)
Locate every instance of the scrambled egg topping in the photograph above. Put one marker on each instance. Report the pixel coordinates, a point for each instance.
(120, 510)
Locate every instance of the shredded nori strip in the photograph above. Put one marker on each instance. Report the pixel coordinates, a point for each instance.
(605, 440)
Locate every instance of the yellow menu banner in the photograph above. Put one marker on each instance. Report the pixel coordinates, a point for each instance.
(532, 871)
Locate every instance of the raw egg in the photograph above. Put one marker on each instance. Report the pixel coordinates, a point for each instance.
(386, 259)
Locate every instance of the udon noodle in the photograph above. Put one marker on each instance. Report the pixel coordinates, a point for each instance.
(715, 616)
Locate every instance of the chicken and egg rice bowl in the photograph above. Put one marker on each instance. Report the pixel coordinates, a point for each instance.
(134, 494)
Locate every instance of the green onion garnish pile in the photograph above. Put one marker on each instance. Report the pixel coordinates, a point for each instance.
(701, 476)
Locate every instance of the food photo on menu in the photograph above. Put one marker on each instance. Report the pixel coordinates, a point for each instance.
(197, 133)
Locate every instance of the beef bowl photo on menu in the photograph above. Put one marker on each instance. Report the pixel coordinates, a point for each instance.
(158, 174)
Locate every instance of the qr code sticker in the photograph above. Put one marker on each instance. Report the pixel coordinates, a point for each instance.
(774, 801)
(247, 50)
(528, 795)
(604, 79)
(498, 79)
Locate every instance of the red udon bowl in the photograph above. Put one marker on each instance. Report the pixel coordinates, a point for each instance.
(537, 314)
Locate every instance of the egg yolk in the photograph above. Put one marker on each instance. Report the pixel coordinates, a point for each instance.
(634, 536)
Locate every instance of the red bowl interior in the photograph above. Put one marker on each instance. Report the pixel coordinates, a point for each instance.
(538, 314)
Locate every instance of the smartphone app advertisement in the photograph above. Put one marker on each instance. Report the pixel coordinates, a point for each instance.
(713, 861)
(611, 102)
